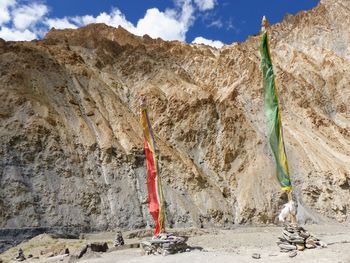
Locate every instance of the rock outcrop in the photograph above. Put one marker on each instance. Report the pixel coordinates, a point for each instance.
(71, 146)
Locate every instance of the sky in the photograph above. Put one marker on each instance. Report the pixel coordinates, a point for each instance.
(211, 22)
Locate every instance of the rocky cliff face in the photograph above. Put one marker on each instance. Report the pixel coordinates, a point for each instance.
(71, 145)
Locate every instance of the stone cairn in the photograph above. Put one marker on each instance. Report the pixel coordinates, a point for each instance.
(164, 244)
(295, 238)
(20, 256)
(119, 240)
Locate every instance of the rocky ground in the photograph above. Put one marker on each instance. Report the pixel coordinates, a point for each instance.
(235, 245)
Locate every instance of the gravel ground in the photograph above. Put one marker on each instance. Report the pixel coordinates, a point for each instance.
(239, 244)
(213, 245)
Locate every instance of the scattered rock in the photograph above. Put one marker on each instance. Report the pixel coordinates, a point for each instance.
(292, 254)
(99, 247)
(82, 251)
(300, 247)
(321, 244)
(310, 246)
(256, 255)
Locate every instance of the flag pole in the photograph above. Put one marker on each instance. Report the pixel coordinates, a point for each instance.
(154, 186)
(275, 131)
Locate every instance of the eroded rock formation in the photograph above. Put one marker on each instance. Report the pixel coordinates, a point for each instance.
(71, 145)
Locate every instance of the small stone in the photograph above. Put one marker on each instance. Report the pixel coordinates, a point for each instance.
(284, 250)
(287, 247)
(292, 254)
(310, 246)
(287, 233)
(256, 255)
(99, 247)
(300, 247)
(65, 251)
(282, 239)
(298, 241)
(304, 234)
(321, 244)
(310, 243)
(312, 239)
(82, 251)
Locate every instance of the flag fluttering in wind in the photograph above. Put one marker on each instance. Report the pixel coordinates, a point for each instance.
(154, 185)
(272, 112)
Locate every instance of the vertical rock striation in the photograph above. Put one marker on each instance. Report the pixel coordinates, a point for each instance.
(71, 145)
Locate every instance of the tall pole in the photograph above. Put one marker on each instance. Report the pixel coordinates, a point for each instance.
(274, 122)
(154, 186)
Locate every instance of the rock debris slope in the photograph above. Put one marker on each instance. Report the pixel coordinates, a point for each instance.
(71, 145)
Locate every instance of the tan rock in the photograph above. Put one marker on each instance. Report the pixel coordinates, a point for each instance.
(72, 148)
(300, 247)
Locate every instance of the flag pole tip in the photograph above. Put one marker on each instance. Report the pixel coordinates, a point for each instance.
(142, 100)
(264, 24)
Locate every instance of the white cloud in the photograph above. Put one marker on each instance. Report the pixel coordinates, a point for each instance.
(160, 24)
(4, 10)
(28, 21)
(11, 34)
(172, 24)
(213, 43)
(59, 23)
(115, 18)
(216, 23)
(28, 15)
(204, 5)
(168, 25)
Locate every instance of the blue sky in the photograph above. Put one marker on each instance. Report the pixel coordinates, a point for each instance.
(207, 21)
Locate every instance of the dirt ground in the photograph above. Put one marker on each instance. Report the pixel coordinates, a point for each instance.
(236, 245)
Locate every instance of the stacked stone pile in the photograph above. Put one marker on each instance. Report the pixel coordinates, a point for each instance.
(164, 244)
(20, 256)
(297, 238)
(119, 240)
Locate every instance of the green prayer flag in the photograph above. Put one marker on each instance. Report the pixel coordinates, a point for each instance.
(273, 115)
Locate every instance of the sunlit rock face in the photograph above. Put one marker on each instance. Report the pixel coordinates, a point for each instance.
(72, 148)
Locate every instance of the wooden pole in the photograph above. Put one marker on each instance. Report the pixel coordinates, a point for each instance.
(293, 217)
